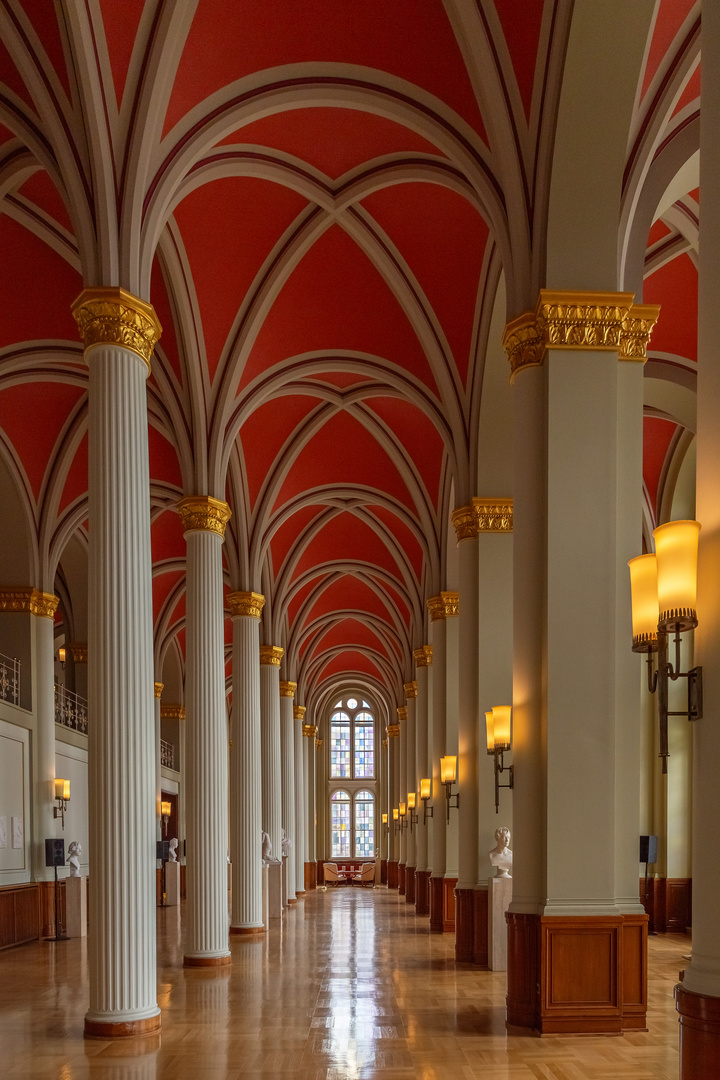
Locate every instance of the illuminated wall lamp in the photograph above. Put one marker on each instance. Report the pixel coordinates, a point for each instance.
(62, 798)
(384, 819)
(411, 807)
(425, 789)
(165, 810)
(396, 818)
(403, 815)
(448, 775)
(664, 594)
(61, 656)
(497, 722)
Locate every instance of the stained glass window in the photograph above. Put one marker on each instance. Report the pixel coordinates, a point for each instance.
(364, 746)
(340, 744)
(340, 825)
(364, 825)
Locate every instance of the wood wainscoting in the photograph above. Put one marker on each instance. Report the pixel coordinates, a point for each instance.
(422, 892)
(46, 897)
(699, 1034)
(471, 926)
(409, 884)
(401, 878)
(20, 914)
(577, 974)
(392, 875)
(448, 909)
(383, 871)
(310, 876)
(668, 903)
(436, 904)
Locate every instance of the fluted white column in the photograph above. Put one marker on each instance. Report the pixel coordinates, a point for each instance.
(119, 332)
(45, 825)
(246, 766)
(300, 803)
(402, 797)
(270, 657)
(411, 785)
(287, 772)
(158, 689)
(393, 734)
(206, 944)
(423, 658)
(309, 731)
(440, 608)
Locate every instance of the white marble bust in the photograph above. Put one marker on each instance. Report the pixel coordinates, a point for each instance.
(501, 856)
(173, 849)
(286, 844)
(267, 848)
(73, 859)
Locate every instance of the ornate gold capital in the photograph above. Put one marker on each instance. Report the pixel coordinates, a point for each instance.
(410, 689)
(271, 654)
(299, 712)
(159, 689)
(570, 320)
(22, 598)
(202, 513)
(79, 652)
(402, 712)
(423, 656)
(172, 712)
(494, 515)
(318, 744)
(249, 604)
(287, 689)
(444, 606)
(637, 328)
(385, 744)
(309, 731)
(466, 524)
(113, 316)
(393, 731)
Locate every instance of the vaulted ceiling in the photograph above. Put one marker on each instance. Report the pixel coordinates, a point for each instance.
(320, 199)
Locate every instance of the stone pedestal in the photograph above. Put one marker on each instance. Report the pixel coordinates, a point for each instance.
(499, 897)
(172, 884)
(265, 896)
(274, 890)
(76, 906)
(285, 881)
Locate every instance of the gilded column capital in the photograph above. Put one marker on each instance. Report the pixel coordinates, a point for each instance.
(423, 656)
(411, 689)
(202, 513)
(466, 523)
(565, 319)
(444, 606)
(172, 712)
(402, 712)
(287, 689)
(299, 712)
(271, 654)
(393, 731)
(637, 328)
(79, 652)
(248, 604)
(309, 731)
(159, 689)
(23, 599)
(113, 316)
(384, 743)
(318, 744)
(494, 515)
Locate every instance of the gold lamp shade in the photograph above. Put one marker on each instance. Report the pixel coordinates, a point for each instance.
(62, 789)
(644, 595)
(384, 819)
(61, 654)
(490, 729)
(403, 809)
(676, 547)
(502, 715)
(396, 813)
(425, 786)
(411, 799)
(165, 808)
(448, 769)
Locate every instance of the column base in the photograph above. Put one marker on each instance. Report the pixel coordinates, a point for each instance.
(392, 875)
(449, 884)
(128, 1029)
(244, 930)
(436, 905)
(422, 892)
(310, 875)
(300, 894)
(699, 1033)
(409, 884)
(206, 961)
(291, 900)
(401, 878)
(577, 975)
(471, 926)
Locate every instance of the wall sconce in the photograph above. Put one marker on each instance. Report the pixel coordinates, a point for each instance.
(448, 775)
(62, 798)
(411, 807)
(384, 819)
(425, 789)
(165, 810)
(664, 593)
(396, 816)
(497, 722)
(403, 815)
(61, 656)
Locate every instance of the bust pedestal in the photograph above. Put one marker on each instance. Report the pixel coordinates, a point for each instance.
(499, 897)
(274, 876)
(172, 884)
(76, 906)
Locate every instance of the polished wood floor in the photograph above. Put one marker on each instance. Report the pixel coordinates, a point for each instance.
(350, 985)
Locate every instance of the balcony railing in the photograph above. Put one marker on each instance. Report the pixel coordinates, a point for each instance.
(9, 679)
(71, 710)
(167, 754)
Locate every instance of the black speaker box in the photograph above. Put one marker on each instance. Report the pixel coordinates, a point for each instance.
(55, 852)
(648, 849)
(163, 850)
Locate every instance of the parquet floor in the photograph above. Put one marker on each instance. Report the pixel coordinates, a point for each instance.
(350, 985)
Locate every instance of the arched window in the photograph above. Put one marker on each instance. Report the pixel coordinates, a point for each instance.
(352, 741)
(340, 825)
(340, 744)
(364, 825)
(364, 746)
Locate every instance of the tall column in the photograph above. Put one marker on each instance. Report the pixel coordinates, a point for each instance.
(287, 772)
(43, 605)
(119, 332)
(245, 766)
(321, 802)
(412, 785)
(270, 657)
(698, 996)
(300, 803)
(204, 519)
(384, 806)
(393, 735)
(309, 732)
(402, 797)
(423, 658)
(158, 689)
(440, 608)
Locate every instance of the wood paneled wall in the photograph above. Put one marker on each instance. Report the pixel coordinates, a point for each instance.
(20, 914)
